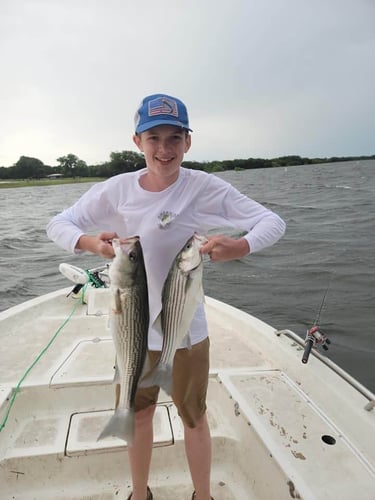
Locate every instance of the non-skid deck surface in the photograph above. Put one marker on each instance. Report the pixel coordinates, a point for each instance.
(220, 491)
(58, 456)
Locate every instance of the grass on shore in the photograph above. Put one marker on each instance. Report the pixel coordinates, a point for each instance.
(15, 183)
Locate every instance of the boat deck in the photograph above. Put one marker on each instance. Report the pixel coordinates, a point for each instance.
(272, 430)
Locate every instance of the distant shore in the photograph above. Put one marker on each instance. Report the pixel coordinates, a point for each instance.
(17, 183)
(127, 165)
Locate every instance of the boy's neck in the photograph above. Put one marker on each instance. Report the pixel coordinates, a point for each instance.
(153, 183)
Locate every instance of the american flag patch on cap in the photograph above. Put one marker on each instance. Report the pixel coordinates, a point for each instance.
(161, 109)
(162, 106)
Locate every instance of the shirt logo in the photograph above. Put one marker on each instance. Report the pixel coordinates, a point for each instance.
(165, 219)
(162, 106)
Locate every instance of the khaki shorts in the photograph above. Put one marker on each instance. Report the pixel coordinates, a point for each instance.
(190, 381)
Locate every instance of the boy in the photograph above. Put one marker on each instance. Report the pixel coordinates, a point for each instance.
(165, 204)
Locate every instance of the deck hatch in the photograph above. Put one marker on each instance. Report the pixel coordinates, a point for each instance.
(292, 426)
(86, 427)
(90, 362)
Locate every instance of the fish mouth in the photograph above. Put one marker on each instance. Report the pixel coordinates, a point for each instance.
(200, 238)
(124, 242)
(131, 239)
(124, 245)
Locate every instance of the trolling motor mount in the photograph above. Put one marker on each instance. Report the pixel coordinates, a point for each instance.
(98, 276)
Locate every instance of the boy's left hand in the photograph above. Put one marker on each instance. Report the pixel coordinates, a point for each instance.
(221, 248)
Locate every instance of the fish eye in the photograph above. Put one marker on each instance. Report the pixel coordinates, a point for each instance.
(132, 256)
(189, 245)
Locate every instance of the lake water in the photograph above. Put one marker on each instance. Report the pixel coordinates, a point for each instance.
(330, 215)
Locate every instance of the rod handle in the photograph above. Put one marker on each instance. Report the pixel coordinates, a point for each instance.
(306, 353)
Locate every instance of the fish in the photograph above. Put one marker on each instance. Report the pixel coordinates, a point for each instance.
(129, 323)
(181, 294)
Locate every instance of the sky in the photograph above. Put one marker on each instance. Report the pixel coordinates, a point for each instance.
(260, 78)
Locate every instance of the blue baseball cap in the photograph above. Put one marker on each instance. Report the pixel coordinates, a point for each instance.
(161, 109)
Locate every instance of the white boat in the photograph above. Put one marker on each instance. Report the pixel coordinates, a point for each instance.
(280, 429)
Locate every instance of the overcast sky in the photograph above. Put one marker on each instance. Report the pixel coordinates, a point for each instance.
(261, 78)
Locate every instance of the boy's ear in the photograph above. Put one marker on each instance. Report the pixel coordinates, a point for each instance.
(138, 142)
(187, 143)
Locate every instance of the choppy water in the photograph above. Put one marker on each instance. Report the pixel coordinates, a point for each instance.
(329, 210)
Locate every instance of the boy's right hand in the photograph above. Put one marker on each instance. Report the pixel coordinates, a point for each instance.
(101, 244)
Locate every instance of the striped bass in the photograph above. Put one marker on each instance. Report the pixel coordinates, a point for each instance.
(129, 321)
(181, 294)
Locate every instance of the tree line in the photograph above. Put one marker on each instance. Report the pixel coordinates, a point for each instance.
(129, 161)
(72, 166)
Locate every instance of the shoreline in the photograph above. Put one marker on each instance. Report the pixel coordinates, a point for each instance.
(17, 183)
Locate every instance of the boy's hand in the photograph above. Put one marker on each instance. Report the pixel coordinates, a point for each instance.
(221, 248)
(101, 244)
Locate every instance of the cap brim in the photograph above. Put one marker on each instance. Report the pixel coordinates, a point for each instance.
(156, 123)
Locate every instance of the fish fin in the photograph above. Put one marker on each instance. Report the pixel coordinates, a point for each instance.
(200, 295)
(117, 380)
(163, 378)
(116, 302)
(157, 325)
(187, 340)
(160, 376)
(145, 380)
(116, 377)
(120, 425)
(196, 293)
(117, 395)
(146, 368)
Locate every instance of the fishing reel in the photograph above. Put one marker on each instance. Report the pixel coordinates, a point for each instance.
(314, 337)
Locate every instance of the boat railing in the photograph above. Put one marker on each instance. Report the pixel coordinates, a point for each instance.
(342, 373)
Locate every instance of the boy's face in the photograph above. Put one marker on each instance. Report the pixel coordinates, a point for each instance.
(164, 147)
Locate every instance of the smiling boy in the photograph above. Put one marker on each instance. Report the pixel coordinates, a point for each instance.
(165, 204)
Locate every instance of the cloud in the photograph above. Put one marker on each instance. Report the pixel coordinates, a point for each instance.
(260, 79)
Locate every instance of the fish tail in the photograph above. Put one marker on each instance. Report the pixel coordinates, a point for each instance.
(120, 425)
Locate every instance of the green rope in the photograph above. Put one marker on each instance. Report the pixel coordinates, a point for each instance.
(98, 284)
(17, 388)
(94, 280)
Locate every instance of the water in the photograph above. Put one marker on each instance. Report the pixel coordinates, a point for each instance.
(329, 210)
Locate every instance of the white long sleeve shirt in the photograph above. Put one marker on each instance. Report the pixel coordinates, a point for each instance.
(164, 221)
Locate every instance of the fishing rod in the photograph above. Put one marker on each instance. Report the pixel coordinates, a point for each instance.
(314, 335)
